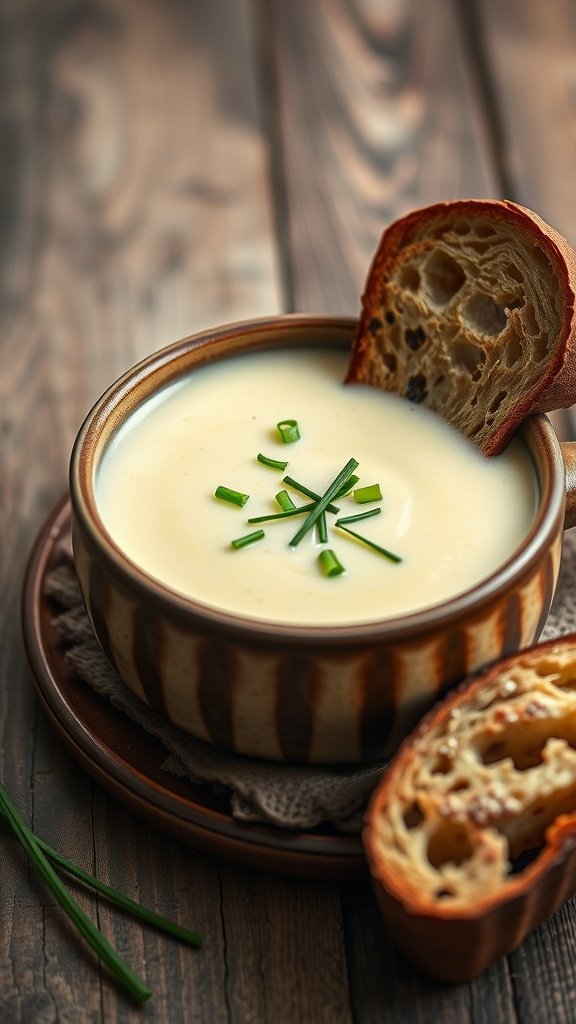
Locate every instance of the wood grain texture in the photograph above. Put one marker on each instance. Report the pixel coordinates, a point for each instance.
(127, 220)
(378, 114)
(167, 165)
(529, 51)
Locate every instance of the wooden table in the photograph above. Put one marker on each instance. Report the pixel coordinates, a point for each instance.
(169, 165)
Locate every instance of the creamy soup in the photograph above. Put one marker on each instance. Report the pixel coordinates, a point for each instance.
(451, 515)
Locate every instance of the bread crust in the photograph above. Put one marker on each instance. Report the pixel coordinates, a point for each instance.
(485, 780)
(469, 308)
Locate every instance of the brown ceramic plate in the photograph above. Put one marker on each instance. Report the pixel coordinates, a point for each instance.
(127, 761)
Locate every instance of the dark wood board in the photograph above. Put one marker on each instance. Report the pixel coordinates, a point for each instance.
(167, 165)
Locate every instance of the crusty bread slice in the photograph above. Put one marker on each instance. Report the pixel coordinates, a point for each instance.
(471, 835)
(469, 309)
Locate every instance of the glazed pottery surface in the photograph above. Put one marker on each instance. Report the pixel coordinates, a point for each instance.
(294, 693)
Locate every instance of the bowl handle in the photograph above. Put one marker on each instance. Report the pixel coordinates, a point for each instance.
(569, 455)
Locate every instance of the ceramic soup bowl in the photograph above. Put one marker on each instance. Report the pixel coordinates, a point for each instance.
(292, 692)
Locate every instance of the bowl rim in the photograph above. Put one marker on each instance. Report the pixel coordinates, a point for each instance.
(119, 400)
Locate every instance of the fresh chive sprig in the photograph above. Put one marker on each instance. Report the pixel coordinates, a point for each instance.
(369, 543)
(93, 936)
(347, 487)
(112, 895)
(358, 516)
(271, 517)
(309, 494)
(322, 529)
(324, 501)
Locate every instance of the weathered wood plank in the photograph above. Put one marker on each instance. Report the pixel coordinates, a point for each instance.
(529, 53)
(285, 950)
(159, 213)
(529, 48)
(378, 114)
(156, 179)
(134, 209)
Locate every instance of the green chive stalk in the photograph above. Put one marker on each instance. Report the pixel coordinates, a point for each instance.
(248, 538)
(309, 494)
(329, 563)
(358, 516)
(362, 495)
(289, 431)
(324, 501)
(93, 936)
(41, 854)
(369, 543)
(265, 460)
(232, 496)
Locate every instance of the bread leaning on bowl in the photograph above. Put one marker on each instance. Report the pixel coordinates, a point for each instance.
(468, 308)
(471, 834)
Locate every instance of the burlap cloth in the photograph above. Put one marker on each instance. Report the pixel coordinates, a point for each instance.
(260, 791)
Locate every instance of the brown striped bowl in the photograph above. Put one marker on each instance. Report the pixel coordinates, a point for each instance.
(291, 693)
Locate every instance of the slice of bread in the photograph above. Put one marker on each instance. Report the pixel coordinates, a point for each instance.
(469, 309)
(471, 834)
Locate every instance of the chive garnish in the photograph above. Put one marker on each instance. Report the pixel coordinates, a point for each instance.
(117, 967)
(347, 487)
(272, 516)
(285, 501)
(371, 493)
(322, 529)
(329, 563)
(249, 538)
(309, 494)
(324, 501)
(370, 543)
(288, 430)
(358, 516)
(234, 497)
(315, 511)
(273, 463)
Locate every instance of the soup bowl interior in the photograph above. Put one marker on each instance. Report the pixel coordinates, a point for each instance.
(292, 692)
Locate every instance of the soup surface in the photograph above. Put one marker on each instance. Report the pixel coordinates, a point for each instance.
(450, 514)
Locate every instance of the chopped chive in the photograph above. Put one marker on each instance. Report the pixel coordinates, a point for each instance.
(306, 490)
(347, 487)
(322, 529)
(273, 463)
(329, 563)
(248, 538)
(296, 511)
(324, 501)
(369, 543)
(234, 497)
(285, 501)
(117, 967)
(365, 494)
(358, 516)
(288, 430)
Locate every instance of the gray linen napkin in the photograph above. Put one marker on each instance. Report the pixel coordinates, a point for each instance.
(260, 791)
